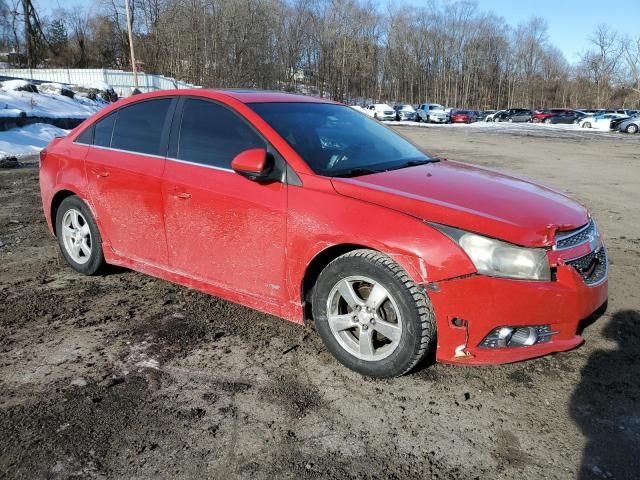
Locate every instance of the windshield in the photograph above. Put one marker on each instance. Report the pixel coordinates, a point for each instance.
(335, 140)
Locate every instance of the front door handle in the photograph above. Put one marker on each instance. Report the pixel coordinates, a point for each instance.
(100, 173)
(183, 195)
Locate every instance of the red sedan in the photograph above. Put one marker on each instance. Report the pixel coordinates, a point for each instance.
(308, 210)
(461, 116)
(539, 116)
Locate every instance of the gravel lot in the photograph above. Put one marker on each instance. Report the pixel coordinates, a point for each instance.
(126, 376)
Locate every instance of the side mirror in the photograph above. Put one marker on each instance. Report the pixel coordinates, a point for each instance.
(256, 164)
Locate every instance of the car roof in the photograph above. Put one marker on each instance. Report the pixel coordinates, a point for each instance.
(267, 96)
(241, 95)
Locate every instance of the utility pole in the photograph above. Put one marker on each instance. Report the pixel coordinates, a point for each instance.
(133, 57)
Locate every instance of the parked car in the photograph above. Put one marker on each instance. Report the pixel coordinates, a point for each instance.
(462, 116)
(615, 123)
(629, 125)
(600, 121)
(506, 115)
(490, 117)
(432, 113)
(570, 117)
(477, 115)
(520, 116)
(381, 111)
(485, 114)
(541, 115)
(405, 113)
(275, 201)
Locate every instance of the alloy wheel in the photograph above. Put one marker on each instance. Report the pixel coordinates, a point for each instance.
(76, 236)
(364, 318)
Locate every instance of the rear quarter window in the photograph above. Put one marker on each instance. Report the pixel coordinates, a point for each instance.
(103, 130)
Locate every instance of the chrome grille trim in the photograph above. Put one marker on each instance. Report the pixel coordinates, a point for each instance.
(585, 234)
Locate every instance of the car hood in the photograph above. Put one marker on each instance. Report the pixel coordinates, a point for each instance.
(471, 198)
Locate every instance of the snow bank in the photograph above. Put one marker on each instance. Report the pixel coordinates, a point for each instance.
(47, 105)
(14, 84)
(28, 140)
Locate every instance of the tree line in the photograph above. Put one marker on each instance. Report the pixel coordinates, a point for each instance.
(350, 50)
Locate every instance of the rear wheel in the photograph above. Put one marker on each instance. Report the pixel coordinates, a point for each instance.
(371, 316)
(547, 121)
(632, 128)
(78, 236)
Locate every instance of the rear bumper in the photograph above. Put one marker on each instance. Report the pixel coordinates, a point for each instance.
(486, 303)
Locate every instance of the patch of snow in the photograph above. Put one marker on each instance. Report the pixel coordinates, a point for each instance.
(14, 84)
(7, 112)
(29, 139)
(48, 105)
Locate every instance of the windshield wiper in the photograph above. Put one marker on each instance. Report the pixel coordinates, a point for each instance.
(355, 172)
(415, 163)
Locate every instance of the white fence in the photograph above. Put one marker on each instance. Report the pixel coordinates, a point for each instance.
(121, 81)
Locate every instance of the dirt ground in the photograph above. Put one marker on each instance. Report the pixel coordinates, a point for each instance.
(126, 376)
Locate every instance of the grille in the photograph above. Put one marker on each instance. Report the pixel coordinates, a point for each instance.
(576, 237)
(592, 267)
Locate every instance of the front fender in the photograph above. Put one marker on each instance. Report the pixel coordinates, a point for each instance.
(319, 218)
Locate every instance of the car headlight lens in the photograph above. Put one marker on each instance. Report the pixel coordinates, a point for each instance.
(500, 259)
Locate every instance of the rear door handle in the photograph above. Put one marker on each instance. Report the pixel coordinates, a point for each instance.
(182, 195)
(100, 173)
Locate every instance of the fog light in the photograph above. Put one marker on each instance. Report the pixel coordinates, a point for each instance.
(502, 337)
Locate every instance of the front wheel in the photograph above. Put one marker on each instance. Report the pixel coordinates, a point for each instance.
(371, 316)
(78, 236)
(632, 128)
(586, 125)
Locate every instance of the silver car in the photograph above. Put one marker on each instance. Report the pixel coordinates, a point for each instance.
(432, 112)
(405, 113)
(630, 125)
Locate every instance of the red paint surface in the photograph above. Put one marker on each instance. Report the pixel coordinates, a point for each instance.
(251, 242)
(460, 118)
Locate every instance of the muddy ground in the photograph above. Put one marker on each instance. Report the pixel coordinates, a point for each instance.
(126, 376)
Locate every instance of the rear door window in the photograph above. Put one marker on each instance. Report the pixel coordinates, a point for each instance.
(138, 127)
(213, 135)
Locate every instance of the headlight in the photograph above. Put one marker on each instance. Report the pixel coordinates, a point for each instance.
(500, 259)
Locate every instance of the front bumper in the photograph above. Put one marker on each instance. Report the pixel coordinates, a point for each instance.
(485, 303)
(438, 118)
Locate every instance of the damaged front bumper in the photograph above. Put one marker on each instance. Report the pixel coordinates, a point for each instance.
(470, 309)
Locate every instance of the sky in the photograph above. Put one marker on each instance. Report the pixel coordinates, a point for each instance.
(570, 22)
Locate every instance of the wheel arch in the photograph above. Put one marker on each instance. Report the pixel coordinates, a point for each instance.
(411, 264)
(315, 267)
(56, 201)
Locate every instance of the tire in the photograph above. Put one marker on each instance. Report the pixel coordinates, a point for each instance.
(510, 120)
(78, 236)
(404, 313)
(547, 121)
(586, 125)
(375, 115)
(631, 128)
